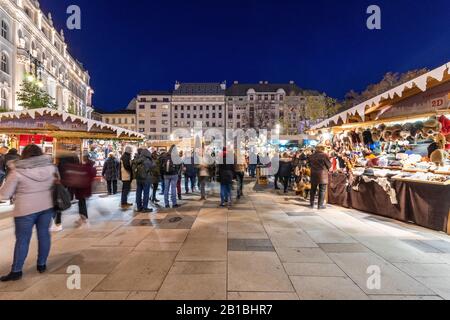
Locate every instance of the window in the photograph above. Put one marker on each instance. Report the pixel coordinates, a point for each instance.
(165, 122)
(182, 116)
(207, 108)
(213, 115)
(125, 121)
(153, 122)
(113, 121)
(220, 116)
(175, 123)
(176, 108)
(252, 98)
(154, 99)
(182, 108)
(5, 30)
(195, 108)
(272, 97)
(188, 115)
(119, 121)
(142, 122)
(165, 130)
(142, 100)
(107, 120)
(165, 99)
(175, 115)
(4, 63)
(141, 106)
(3, 99)
(141, 130)
(201, 108)
(153, 106)
(220, 108)
(214, 108)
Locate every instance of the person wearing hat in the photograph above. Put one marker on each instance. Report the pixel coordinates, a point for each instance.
(126, 175)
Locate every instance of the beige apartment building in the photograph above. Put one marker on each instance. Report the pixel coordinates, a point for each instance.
(153, 114)
(124, 118)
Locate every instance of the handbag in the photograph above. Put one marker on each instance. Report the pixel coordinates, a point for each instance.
(61, 197)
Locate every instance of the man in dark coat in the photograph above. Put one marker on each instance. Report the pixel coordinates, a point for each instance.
(320, 166)
(142, 171)
(226, 175)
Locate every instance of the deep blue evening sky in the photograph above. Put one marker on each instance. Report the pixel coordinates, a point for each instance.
(128, 46)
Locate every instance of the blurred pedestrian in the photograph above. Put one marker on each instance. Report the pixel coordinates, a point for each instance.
(285, 171)
(31, 182)
(86, 174)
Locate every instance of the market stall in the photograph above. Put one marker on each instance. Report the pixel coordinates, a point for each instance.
(57, 131)
(391, 154)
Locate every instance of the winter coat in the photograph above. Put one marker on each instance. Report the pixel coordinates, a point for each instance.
(285, 167)
(126, 172)
(111, 169)
(320, 166)
(176, 168)
(156, 171)
(190, 169)
(31, 182)
(145, 158)
(225, 172)
(91, 173)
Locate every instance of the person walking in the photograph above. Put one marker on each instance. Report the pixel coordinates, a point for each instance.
(320, 165)
(110, 173)
(142, 171)
(285, 171)
(156, 176)
(226, 174)
(31, 182)
(180, 176)
(126, 175)
(62, 159)
(86, 174)
(172, 172)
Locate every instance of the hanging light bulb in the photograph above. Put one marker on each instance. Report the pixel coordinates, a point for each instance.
(40, 84)
(30, 78)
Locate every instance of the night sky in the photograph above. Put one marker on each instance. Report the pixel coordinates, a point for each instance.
(129, 46)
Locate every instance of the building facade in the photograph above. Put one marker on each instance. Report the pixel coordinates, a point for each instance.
(267, 106)
(32, 50)
(153, 113)
(124, 118)
(198, 102)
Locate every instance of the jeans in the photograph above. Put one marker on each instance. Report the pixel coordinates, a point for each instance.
(24, 231)
(186, 182)
(82, 207)
(112, 186)
(126, 187)
(162, 185)
(178, 185)
(225, 193)
(277, 177)
(322, 191)
(142, 187)
(252, 170)
(240, 181)
(203, 181)
(171, 184)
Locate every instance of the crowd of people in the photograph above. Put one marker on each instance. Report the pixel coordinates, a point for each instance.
(28, 181)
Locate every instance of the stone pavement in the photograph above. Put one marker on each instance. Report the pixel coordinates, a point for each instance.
(268, 246)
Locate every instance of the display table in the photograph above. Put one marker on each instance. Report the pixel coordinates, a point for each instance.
(426, 205)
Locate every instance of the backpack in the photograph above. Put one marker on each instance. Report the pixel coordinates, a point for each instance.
(169, 167)
(139, 170)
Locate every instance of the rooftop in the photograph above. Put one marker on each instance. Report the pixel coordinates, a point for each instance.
(238, 89)
(199, 89)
